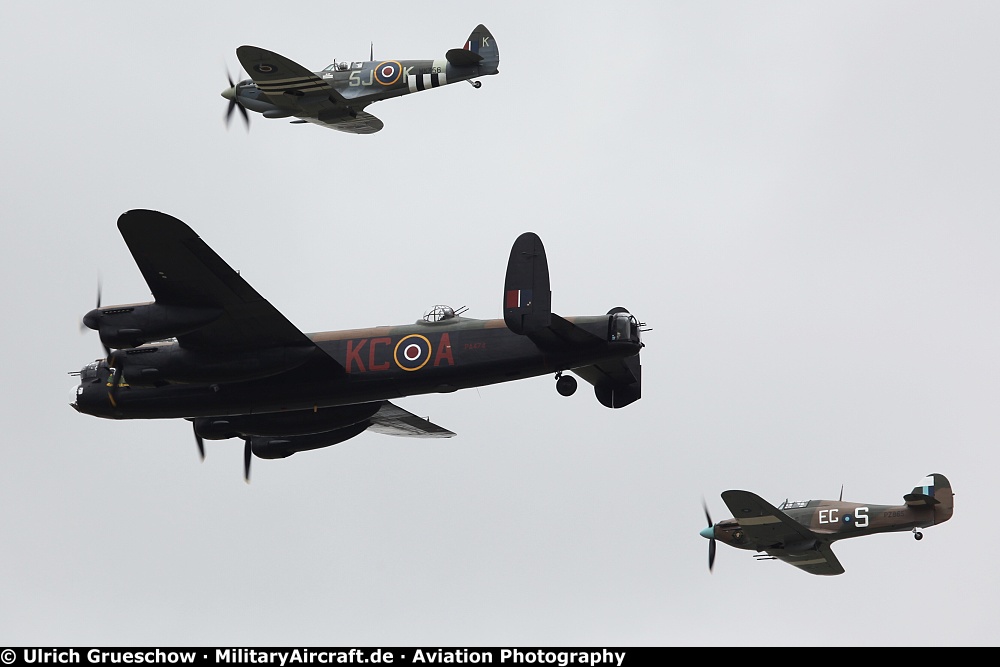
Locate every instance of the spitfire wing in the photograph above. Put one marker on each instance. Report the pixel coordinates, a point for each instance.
(181, 270)
(288, 84)
(394, 420)
(773, 531)
(360, 122)
(291, 86)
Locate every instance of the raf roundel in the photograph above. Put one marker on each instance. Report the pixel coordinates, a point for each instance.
(388, 73)
(412, 352)
(264, 68)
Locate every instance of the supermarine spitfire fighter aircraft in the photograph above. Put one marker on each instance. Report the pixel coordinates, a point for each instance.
(801, 533)
(211, 350)
(336, 97)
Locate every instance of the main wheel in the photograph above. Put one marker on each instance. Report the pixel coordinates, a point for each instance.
(566, 385)
(477, 84)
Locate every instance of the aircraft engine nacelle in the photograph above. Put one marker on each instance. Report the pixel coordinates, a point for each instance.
(156, 365)
(293, 423)
(133, 325)
(281, 447)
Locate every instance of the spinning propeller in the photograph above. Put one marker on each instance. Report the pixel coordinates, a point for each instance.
(247, 453)
(198, 441)
(710, 534)
(109, 354)
(230, 94)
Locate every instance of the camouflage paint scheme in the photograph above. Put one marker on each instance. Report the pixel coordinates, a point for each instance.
(800, 533)
(211, 350)
(337, 96)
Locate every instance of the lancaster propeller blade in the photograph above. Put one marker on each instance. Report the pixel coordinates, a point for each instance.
(198, 441)
(246, 461)
(83, 323)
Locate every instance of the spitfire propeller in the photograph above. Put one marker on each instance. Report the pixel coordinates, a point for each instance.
(710, 534)
(231, 95)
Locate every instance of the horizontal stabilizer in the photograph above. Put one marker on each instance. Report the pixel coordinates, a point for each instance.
(919, 500)
(462, 57)
(527, 299)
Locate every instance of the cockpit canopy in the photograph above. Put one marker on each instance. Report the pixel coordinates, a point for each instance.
(794, 504)
(343, 66)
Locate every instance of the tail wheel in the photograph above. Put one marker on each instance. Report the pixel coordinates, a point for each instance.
(565, 384)
(918, 535)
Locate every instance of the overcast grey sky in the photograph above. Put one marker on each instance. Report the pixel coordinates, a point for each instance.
(799, 198)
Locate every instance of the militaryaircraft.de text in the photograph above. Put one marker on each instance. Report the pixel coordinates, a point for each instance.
(337, 96)
(211, 350)
(800, 533)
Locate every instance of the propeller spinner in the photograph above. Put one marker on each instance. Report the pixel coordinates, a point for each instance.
(231, 94)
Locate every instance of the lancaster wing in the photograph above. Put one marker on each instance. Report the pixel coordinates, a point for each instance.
(394, 420)
(181, 270)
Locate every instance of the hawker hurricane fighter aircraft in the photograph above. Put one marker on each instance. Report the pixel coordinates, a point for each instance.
(211, 350)
(337, 96)
(801, 533)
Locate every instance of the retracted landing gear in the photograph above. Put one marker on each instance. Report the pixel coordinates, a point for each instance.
(917, 535)
(565, 384)
(475, 84)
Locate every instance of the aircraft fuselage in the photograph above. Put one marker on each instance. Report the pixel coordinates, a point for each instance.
(836, 520)
(378, 364)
